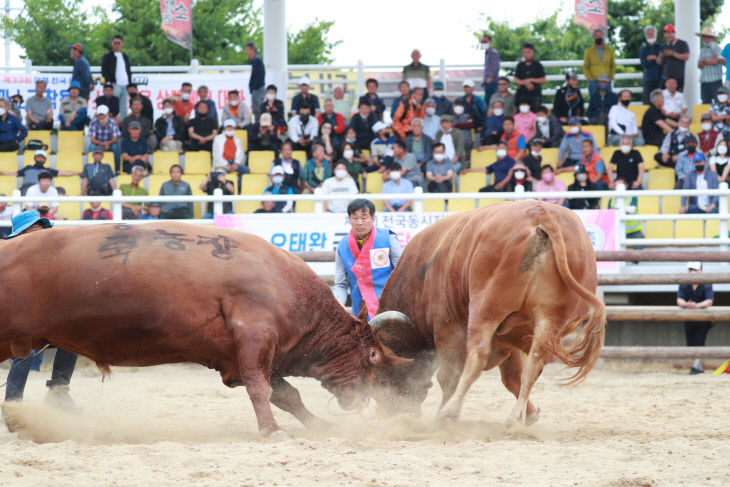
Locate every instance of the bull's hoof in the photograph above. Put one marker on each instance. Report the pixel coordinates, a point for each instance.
(447, 415)
(532, 418)
(278, 435)
(318, 425)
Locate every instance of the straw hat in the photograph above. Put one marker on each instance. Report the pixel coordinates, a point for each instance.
(707, 32)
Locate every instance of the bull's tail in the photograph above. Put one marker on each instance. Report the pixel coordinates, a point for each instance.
(583, 352)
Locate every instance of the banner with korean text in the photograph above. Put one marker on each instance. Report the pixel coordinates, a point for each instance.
(177, 21)
(590, 14)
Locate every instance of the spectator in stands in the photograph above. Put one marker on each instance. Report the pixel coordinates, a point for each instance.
(598, 60)
(491, 67)
(708, 136)
(406, 112)
(43, 190)
(97, 178)
(145, 123)
(568, 99)
(354, 167)
(674, 143)
(720, 112)
(339, 183)
(409, 167)
(628, 164)
(303, 128)
(267, 206)
(132, 210)
(203, 96)
(439, 171)
(292, 168)
(685, 161)
(601, 102)
(648, 54)
(81, 72)
(228, 153)
(473, 105)
(153, 211)
(6, 213)
(326, 139)
(381, 148)
(110, 101)
(147, 110)
(183, 104)
(275, 108)
(417, 74)
(97, 212)
(279, 186)
(362, 123)
(257, 81)
(237, 111)
(549, 183)
(525, 121)
(39, 109)
(700, 179)
(518, 175)
(342, 100)
(201, 130)
(336, 120)
(443, 104)
(134, 150)
(30, 173)
(304, 97)
(431, 119)
(655, 124)
(548, 128)
(419, 144)
(262, 135)
(673, 56)
(377, 106)
(696, 296)
(500, 168)
(396, 184)
(464, 122)
(529, 76)
(73, 109)
(493, 126)
(571, 151)
(170, 128)
(16, 101)
(674, 104)
(516, 142)
(176, 187)
(719, 162)
(582, 183)
(12, 131)
(598, 173)
(533, 160)
(104, 132)
(360, 156)
(453, 142)
(505, 96)
(405, 94)
(116, 71)
(622, 121)
(316, 170)
(710, 64)
(213, 181)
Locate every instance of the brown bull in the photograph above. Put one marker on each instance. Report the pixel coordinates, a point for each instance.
(480, 288)
(152, 294)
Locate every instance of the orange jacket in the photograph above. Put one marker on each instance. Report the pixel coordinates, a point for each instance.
(402, 121)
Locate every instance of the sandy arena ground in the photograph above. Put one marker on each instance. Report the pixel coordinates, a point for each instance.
(179, 425)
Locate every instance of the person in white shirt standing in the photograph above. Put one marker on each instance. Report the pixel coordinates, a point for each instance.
(116, 69)
(42, 190)
(674, 102)
(341, 183)
(622, 121)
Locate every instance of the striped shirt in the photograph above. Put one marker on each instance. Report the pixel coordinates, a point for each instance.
(711, 72)
(491, 64)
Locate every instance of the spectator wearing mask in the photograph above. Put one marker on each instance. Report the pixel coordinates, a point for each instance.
(292, 168)
(525, 121)
(275, 108)
(492, 127)
(700, 178)
(473, 105)
(73, 114)
(601, 102)
(439, 171)
(354, 167)
(304, 97)
(418, 143)
(30, 173)
(237, 111)
(183, 104)
(516, 142)
(518, 175)
(622, 121)
(529, 76)
(453, 142)
(548, 128)
(695, 296)
(134, 150)
(464, 123)
(492, 64)
(720, 112)
(719, 162)
(381, 148)
(505, 96)
(674, 103)
(571, 151)
(359, 156)
(708, 136)
(97, 212)
(598, 60)
(598, 173)
(628, 164)
(409, 167)
(39, 109)
(500, 168)
(340, 183)
(257, 81)
(648, 54)
(685, 161)
(97, 178)
(217, 180)
(176, 187)
(203, 96)
(549, 183)
(228, 154)
(303, 128)
(655, 124)
(43, 190)
(431, 119)
(202, 130)
(568, 99)
(397, 185)
(316, 170)
(110, 101)
(533, 160)
(673, 56)
(674, 143)
(16, 101)
(279, 186)
(377, 107)
(170, 128)
(406, 112)
(582, 183)
(362, 123)
(335, 119)
(104, 132)
(710, 64)
(443, 104)
(12, 131)
(262, 135)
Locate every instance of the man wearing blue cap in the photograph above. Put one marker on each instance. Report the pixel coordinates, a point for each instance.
(65, 362)
(82, 71)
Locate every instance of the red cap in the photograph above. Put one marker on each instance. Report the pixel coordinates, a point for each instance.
(669, 28)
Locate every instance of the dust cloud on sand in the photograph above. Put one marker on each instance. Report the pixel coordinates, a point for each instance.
(180, 425)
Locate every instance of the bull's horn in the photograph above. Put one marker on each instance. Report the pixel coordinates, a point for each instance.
(378, 320)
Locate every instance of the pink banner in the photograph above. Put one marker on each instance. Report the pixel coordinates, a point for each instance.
(590, 14)
(601, 226)
(177, 21)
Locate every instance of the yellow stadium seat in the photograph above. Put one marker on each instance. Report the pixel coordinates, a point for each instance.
(154, 183)
(604, 203)
(647, 154)
(233, 177)
(671, 204)
(688, 229)
(461, 205)
(71, 141)
(648, 205)
(72, 184)
(194, 181)
(243, 136)
(8, 184)
(433, 205)
(254, 183)
(259, 162)
(69, 161)
(567, 177)
(607, 153)
(69, 210)
(162, 161)
(304, 207)
(549, 156)
(661, 178)
(301, 156)
(639, 111)
(366, 153)
(483, 158)
(28, 158)
(124, 179)
(695, 127)
(42, 135)
(198, 162)
(599, 133)
(8, 161)
(698, 111)
(487, 202)
(248, 206)
(108, 158)
(374, 183)
(712, 228)
(472, 182)
(659, 229)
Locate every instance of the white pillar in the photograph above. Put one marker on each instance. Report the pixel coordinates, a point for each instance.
(275, 46)
(117, 206)
(687, 22)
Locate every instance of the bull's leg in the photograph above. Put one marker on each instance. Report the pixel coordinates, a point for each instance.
(533, 368)
(451, 365)
(287, 398)
(511, 370)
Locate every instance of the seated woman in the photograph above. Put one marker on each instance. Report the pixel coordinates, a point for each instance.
(327, 140)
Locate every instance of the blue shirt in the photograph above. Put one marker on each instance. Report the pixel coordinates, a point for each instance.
(82, 73)
(258, 74)
(493, 124)
(212, 112)
(572, 144)
(726, 54)
(405, 186)
(134, 148)
(12, 129)
(652, 71)
(501, 168)
(476, 108)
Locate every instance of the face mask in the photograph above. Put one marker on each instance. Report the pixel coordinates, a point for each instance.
(501, 153)
(230, 133)
(348, 154)
(438, 93)
(541, 119)
(599, 41)
(340, 173)
(458, 109)
(547, 177)
(270, 96)
(706, 126)
(700, 167)
(395, 175)
(486, 45)
(574, 129)
(625, 102)
(684, 130)
(234, 103)
(2, 111)
(350, 140)
(520, 174)
(304, 118)
(651, 40)
(691, 149)
(498, 112)
(185, 96)
(277, 179)
(581, 177)
(707, 43)
(625, 149)
(439, 157)
(722, 149)
(430, 111)
(602, 87)
(722, 98)
(169, 110)
(535, 153)
(524, 108)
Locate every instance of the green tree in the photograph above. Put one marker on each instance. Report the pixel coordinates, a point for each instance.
(310, 45)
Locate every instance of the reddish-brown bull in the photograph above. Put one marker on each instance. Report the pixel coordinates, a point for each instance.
(477, 289)
(165, 293)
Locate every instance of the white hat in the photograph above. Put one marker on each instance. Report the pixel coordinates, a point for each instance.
(468, 82)
(40, 152)
(303, 81)
(378, 126)
(277, 170)
(229, 123)
(694, 265)
(102, 110)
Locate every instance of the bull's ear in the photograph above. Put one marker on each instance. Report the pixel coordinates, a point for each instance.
(391, 360)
